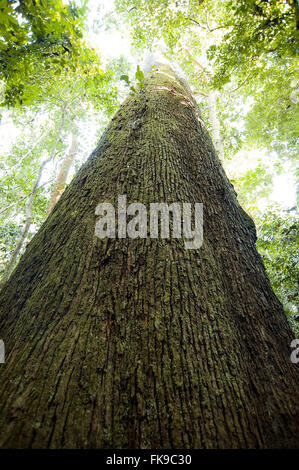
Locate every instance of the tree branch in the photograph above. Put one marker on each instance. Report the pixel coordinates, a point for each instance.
(194, 21)
(203, 70)
(199, 92)
(242, 83)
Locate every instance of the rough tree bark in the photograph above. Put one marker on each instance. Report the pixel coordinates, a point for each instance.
(123, 343)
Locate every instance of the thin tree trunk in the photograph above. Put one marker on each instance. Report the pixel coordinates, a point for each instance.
(28, 222)
(63, 174)
(141, 343)
(212, 107)
(28, 209)
(215, 124)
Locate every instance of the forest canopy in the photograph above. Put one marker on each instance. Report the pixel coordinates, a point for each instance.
(62, 78)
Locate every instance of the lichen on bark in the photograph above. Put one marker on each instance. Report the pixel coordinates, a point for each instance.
(123, 343)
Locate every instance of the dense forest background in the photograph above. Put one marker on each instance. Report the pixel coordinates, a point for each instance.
(65, 67)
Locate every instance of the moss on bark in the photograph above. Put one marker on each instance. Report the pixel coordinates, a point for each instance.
(124, 343)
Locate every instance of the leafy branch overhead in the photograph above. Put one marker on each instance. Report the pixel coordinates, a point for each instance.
(38, 40)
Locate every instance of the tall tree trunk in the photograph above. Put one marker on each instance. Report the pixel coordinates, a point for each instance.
(28, 222)
(28, 209)
(212, 106)
(215, 124)
(63, 174)
(141, 343)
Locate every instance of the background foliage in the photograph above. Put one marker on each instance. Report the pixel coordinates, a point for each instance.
(240, 57)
